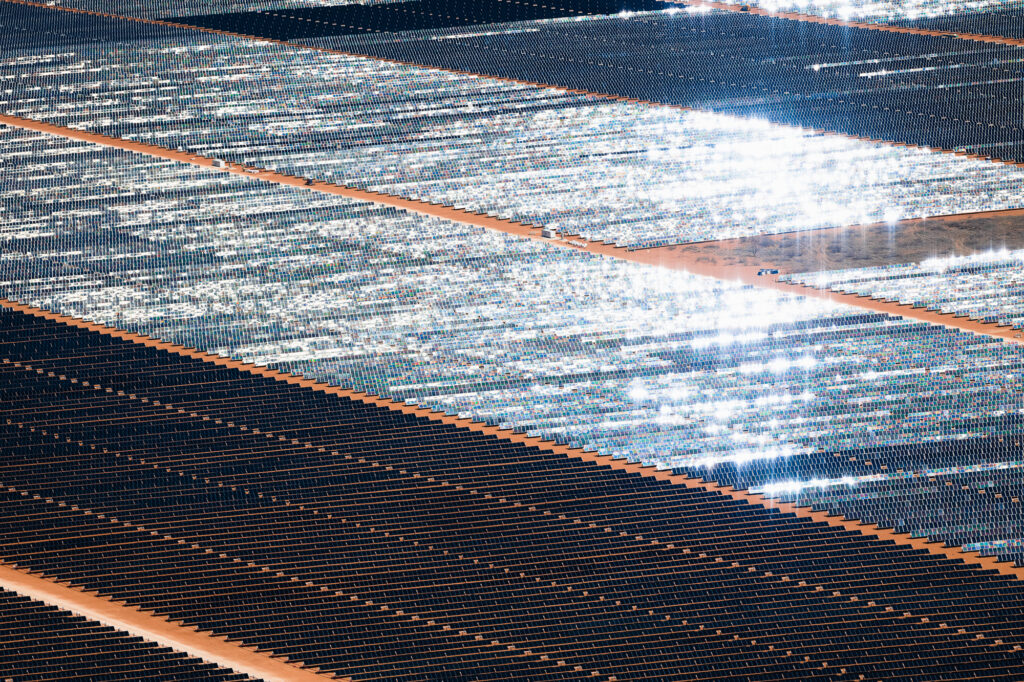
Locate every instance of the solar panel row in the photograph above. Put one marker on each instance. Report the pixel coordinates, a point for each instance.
(276, 525)
(156, 9)
(412, 15)
(40, 642)
(747, 387)
(932, 91)
(984, 285)
(634, 175)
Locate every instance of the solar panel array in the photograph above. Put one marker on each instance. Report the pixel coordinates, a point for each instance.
(41, 642)
(376, 544)
(1002, 20)
(999, 18)
(983, 16)
(157, 9)
(984, 286)
(656, 366)
(415, 15)
(935, 91)
(653, 176)
(367, 542)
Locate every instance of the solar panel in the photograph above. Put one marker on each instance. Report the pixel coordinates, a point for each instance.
(499, 340)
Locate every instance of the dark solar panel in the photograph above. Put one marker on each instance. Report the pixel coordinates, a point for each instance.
(415, 15)
(25, 27)
(41, 642)
(933, 91)
(370, 542)
(349, 537)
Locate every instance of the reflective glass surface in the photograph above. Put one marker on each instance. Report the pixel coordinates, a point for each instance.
(932, 90)
(887, 10)
(986, 286)
(630, 174)
(794, 397)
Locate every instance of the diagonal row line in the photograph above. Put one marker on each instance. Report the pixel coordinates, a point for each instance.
(586, 592)
(260, 665)
(657, 257)
(870, 530)
(496, 77)
(567, 522)
(388, 610)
